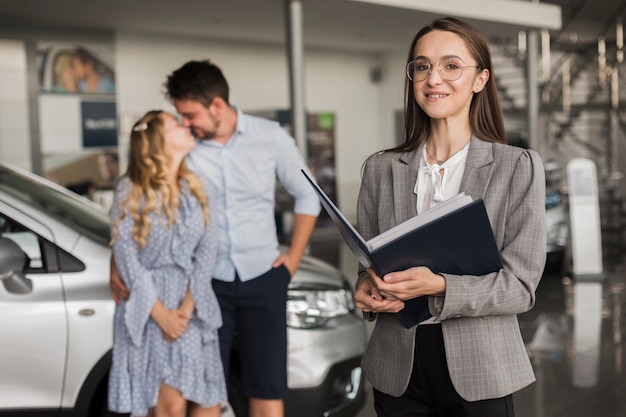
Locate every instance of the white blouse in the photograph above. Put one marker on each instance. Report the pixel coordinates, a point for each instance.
(436, 183)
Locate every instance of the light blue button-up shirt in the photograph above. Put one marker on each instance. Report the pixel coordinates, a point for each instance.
(241, 176)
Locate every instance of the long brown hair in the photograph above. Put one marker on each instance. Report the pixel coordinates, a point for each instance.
(154, 190)
(485, 115)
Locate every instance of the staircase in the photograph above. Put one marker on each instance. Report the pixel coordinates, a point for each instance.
(588, 128)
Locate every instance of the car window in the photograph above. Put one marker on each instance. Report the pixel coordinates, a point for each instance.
(28, 241)
(43, 256)
(77, 212)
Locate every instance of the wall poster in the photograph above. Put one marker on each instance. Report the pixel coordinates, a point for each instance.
(78, 116)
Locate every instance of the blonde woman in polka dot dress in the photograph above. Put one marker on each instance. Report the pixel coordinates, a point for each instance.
(165, 351)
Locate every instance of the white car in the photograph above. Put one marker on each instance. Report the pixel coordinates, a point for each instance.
(557, 217)
(56, 313)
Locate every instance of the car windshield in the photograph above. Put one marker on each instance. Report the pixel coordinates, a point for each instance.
(75, 211)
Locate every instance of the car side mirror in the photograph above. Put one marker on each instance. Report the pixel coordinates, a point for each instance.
(13, 261)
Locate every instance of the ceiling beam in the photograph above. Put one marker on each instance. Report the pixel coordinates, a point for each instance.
(526, 14)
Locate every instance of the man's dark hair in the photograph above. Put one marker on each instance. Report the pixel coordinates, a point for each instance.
(200, 81)
(84, 55)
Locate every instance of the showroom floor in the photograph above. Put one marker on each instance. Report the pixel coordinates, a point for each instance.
(576, 347)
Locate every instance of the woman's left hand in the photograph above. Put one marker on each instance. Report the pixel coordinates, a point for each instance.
(411, 283)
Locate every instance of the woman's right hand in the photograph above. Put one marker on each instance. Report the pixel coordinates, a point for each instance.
(173, 323)
(369, 299)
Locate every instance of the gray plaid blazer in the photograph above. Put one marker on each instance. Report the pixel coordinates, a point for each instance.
(484, 348)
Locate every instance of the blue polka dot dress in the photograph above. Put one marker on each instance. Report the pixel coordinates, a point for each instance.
(173, 260)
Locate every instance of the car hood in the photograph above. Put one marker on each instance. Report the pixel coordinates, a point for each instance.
(315, 271)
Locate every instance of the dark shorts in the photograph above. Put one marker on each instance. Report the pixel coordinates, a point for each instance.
(255, 318)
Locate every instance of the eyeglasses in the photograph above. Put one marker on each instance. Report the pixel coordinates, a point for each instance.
(450, 69)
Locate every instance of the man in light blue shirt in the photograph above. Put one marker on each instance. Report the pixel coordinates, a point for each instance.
(240, 156)
(242, 176)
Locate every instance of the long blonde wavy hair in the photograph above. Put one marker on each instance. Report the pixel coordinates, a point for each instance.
(148, 171)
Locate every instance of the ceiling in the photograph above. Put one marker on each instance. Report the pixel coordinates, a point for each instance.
(329, 24)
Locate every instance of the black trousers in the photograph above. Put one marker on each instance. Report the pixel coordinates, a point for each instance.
(430, 391)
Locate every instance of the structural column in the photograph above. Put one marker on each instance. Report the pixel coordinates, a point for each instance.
(532, 77)
(295, 54)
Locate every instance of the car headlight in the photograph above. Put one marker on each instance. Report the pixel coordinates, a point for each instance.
(310, 305)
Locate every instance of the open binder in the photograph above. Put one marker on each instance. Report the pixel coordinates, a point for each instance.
(452, 237)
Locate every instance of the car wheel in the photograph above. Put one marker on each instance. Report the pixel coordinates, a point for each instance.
(99, 404)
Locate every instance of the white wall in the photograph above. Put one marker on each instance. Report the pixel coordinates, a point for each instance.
(14, 120)
(392, 93)
(258, 78)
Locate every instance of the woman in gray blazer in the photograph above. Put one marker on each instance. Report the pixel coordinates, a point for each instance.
(469, 357)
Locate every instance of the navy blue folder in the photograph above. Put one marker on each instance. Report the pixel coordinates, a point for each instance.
(460, 242)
